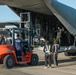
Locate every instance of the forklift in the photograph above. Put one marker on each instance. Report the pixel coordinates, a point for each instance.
(8, 52)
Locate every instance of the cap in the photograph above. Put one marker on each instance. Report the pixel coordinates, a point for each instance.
(18, 35)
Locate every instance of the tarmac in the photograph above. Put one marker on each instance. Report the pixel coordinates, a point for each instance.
(67, 66)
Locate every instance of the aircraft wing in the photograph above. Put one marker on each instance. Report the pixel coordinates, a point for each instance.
(3, 24)
(29, 5)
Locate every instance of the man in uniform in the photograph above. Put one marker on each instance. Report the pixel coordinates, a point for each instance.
(18, 47)
(47, 54)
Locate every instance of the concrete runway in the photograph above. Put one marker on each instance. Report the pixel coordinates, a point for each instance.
(67, 66)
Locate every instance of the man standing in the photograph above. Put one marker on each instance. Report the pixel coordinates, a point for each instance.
(47, 54)
(18, 47)
(55, 49)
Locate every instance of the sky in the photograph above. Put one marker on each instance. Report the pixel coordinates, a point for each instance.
(6, 14)
(70, 3)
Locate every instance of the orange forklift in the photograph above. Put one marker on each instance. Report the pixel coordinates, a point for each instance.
(8, 53)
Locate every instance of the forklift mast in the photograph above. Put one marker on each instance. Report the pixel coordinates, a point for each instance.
(26, 23)
(23, 30)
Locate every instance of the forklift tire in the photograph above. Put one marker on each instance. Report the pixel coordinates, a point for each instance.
(8, 61)
(34, 60)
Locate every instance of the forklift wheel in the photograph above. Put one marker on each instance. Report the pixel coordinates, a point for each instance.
(34, 59)
(8, 61)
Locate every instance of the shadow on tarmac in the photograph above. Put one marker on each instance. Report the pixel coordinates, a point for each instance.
(62, 63)
(72, 59)
(67, 62)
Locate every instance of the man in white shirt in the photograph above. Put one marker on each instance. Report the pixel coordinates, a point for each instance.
(55, 49)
